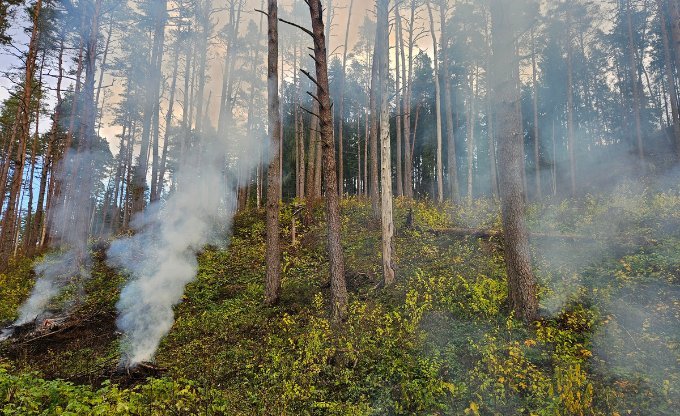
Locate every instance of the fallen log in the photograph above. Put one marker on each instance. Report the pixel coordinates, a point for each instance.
(493, 233)
(489, 233)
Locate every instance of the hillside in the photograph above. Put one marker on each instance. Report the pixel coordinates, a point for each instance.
(441, 341)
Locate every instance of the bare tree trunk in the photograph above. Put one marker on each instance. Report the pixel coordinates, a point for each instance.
(408, 139)
(341, 174)
(366, 140)
(521, 281)
(452, 158)
(48, 164)
(382, 38)
(335, 254)
(674, 6)
(438, 107)
(636, 86)
(374, 188)
(397, 47)
(168, 122)
(537, 137)
(273, 253)
(358, 190)
(311, 162)
(151, 108)
(28, 241)
(103, 65)
(570, 108)
(206, 24)
(668, 73)
(491, 121)
(84, 202)
(471, 136)
(230, 58)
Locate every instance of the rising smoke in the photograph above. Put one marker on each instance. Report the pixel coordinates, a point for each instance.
(161, 256)
(69, 229)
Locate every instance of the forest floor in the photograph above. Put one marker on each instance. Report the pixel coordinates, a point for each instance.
(442, 341)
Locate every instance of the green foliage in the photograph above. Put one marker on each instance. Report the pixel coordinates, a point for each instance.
(440, 342)
(15, 284)
(27, 394)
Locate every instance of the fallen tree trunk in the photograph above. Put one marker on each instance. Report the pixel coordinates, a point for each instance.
(613, 240)
(489, 233)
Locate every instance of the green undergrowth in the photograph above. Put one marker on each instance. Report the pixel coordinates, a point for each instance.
(441, 341)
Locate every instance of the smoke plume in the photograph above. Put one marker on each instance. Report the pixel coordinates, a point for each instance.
(69, 228)
(160, 257)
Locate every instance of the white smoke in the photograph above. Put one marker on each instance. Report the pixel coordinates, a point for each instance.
(55, 273)
(70, 231)
(161, 257)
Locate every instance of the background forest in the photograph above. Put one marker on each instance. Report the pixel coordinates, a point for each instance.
(340, 207)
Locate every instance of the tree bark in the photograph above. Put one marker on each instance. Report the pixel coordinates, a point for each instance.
(668, 73)
(408, 137)
(341, 122)
(635, 84)
(273, 251)
(151, 108)
(674, 11)
(387, 221)
(521, 281)
(537, 137)
(374, 188)
(339, 298)
(438, 109)
(397, 47)
(570, 107)
(452, 158)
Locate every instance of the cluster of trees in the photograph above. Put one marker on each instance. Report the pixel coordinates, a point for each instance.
(441, 99)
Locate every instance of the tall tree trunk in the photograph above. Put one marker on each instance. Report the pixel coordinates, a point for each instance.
(84, 203)
(668, 73)
(28, 241)
(674, 11)
(471, 135)
(637, 101)
(397, 47)
(341, 123)
(452, 158)
(438, 107)
(48, 164)
(374, 188)
(168, 122)
(311, 162)
(102, 71)
(521, 281)
(537, 137)
(335, 254)
(382, 38)
(151, 107)
(408, 137)
(206, 25)
(230, 58)
(273, 253)
(570, 107)
(491, 120)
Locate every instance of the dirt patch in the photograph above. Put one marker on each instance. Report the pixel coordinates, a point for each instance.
(74, 347)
